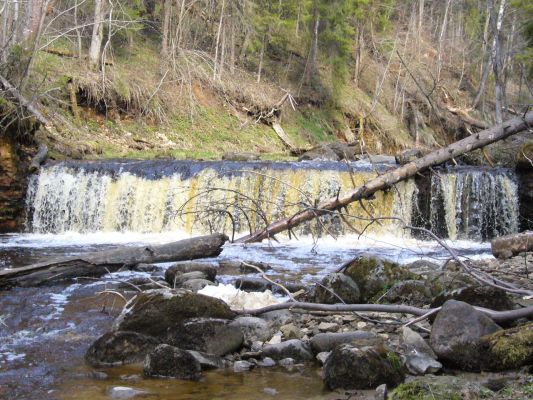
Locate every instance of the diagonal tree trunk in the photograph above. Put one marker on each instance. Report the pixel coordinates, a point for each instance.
(385, 181)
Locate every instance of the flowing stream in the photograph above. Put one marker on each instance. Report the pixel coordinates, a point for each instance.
(75, 207)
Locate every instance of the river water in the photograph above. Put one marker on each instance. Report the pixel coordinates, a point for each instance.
(45, 331)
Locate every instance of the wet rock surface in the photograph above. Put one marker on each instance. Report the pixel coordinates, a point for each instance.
(294, 348)
(337, 288)
(351, 367)
(170, 362)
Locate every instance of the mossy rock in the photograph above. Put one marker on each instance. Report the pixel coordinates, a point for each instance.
(161, 312)
(375, 276)
(511, 348)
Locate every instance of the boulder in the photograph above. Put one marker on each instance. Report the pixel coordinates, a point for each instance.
(334, 286)
(456, 335)
(242, 365)
(511, 348)
(171, 362)
(161, 312)
(118, 348)
(253, 328)
(208, 335)
(512, 245)
(294, 348)
(183, 267)
(412, 292)
(477, 295)
(349, 367)
(374, 276)
(324, 342)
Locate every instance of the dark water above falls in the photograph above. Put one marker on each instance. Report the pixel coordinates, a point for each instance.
(78, 207)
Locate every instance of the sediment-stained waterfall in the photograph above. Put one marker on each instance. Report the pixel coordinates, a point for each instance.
(199, 197)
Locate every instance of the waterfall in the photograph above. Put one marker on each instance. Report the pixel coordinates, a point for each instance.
(201, 197)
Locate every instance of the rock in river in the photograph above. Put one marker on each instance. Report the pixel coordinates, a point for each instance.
(334, 286)
(117, 348)
(161, 312)
(293, 348)
(456, 335)
(350, 367)
(170, 362)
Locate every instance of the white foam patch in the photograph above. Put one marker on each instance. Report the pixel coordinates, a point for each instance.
(239, 299)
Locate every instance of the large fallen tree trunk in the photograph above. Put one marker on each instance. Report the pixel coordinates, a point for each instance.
(385, 181)
(101, 262)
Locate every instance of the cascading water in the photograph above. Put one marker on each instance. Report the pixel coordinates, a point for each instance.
(199, 197)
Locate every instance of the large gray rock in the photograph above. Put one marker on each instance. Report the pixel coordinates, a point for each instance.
(252, 284)
(456, 335)
(184, 267)
(350, 367)
(334, 286)
(118, 348)
(208, 335)
(328, 341)
(160, 313)
(253, 328)
(294, 348)
(171, 362)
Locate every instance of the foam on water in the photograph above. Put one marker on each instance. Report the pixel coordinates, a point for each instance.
(239, 299)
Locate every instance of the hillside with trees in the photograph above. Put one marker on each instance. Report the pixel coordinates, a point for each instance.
(196, 78)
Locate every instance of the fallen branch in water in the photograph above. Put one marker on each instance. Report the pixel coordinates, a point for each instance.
(496, 316)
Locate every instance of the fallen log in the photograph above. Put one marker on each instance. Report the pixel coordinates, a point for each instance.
(512, 245)
(99, 263)
(387, 180)
(496, 316)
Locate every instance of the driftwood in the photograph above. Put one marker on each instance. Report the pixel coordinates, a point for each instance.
(387, 180)
(496, 316)
(99, 263)
(512, 245)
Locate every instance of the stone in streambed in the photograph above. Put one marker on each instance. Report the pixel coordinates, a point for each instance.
(456, 335)
(170, 362)
(511, 348)
(328, 341)
(253, 328)
(118, 348)
(207, 361)
(293, 348)
(349, 367)
(419, 357)
(477, 295)
(209, 335)
(162, 312)
(335, 286)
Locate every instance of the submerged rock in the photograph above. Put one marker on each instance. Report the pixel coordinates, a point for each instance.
(195, 285)
(252, 284)
(209, 335)
(456, 335)
(118, 348)
(171, 362)
(160, 313)
(335, 286)
(349, 367)
(293, 348)
(242, 365)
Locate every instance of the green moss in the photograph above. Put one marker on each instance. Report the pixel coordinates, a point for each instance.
(423, 391)
(511, 348)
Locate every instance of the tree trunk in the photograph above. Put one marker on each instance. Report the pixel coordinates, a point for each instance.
(100, 263)
(261, 57)
(97, 35)
(487, 65)
(387, 180)
(441, 38)
(497, 64)
(166, 29)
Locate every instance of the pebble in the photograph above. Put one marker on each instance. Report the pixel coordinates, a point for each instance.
(286, 362)
(328, 327)
(361, 325)
(275, 339)
(266, 362)
(240, 366)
